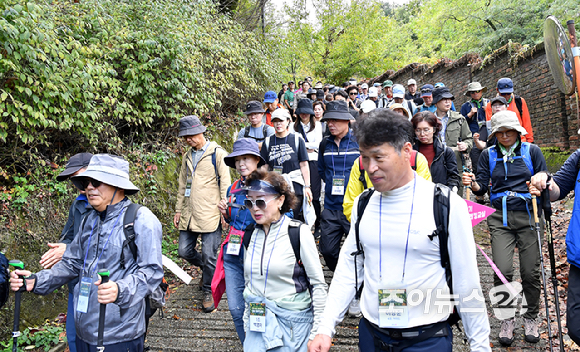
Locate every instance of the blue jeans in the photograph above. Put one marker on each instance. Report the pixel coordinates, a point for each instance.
(207, 259)
(439, 344)
(234, 271)
(129, 346)
(71, 333)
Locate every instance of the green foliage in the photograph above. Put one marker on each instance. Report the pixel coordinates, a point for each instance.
(44, 338)
(99, 72)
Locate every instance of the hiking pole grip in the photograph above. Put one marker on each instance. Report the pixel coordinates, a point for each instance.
(17, 264)
(104, 274)
(546, 204)
(535, 206)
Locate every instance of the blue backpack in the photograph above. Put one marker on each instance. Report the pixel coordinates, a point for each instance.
(4, 280)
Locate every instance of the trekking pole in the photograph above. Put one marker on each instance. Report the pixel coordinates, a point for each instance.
(547, 207)
(104, 274)
(17, 264)
(537, 220)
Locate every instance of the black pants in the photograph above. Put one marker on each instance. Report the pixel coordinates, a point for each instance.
(333, 225)
(129, 346)
(315, 187)
(573, 307)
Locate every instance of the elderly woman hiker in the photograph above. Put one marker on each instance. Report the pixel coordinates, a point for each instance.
(509, 164)
(285, 290)
(229, 274)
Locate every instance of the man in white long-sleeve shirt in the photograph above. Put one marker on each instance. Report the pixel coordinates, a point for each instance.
(401, 263)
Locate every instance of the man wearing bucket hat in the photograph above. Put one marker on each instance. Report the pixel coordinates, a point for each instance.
(455, 131)
(80, 206)
(203, 181)
(509, 165)
(517, 104)
(474, 113)
(257, 130)
(101, 244)
(337, 155)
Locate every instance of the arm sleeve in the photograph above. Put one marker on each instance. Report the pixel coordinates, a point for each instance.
(353, 189)
(527, 122)
(270, 131)
(182, 183)
(465, 109)
(311, 261)
(241, 133)
(466, 286)
(342, 289)
(134, 287)
(566, 176)
(483, 176)
(422, 167)
(302, 153)
(68, 232)
(264, 153)
(223, 171)
(317, 137)
(321, 163)
(453, 178)
(466, 136)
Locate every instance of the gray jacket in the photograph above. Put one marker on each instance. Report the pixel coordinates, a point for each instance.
(124, 319)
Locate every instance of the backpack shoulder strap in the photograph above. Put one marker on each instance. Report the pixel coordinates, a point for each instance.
(248, 235)
(525, 151)
(414, 159)
(362, 177)
(492, 159)
(214, 162)
(247, 132)
(129, 231)
(267, 141)
(519, 104)
(234, 185)
(363, 201)
(294, 235)
(441, 214)
(265, 131)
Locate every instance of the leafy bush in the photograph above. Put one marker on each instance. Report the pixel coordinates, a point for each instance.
(93, 74)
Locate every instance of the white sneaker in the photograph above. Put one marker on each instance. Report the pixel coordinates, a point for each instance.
(354, 308)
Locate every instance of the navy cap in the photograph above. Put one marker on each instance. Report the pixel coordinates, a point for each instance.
(427, 90)
(244, 146)
(505, 85)
(76, 162)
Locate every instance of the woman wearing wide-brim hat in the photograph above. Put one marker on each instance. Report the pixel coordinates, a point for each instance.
(229, 272)
(509, 164)
(311, 130)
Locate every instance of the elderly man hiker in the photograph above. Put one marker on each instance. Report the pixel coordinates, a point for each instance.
(101, 244)
(258, 129)
(78, 163)
(204, 179)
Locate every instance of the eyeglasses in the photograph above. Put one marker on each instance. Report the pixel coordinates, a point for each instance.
(423, 131)
(84, 182)
(260, 203)
(506, 134)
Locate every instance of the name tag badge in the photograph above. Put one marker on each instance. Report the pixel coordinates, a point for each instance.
(338, 186)
(393, 309)
(84, 291)
(188, 188)
(235, 242)
(258, 317)
(278, 169)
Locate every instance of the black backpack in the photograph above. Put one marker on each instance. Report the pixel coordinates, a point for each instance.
(441, 214)
(4, 280)
(264, 133)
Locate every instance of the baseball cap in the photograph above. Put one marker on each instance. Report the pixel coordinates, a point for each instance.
(376, 85)
(411, 81)
(388, 83)
(364, 86)
(439, 85)
(270, 97)
(398, 91)
(427, 90)
(373, 92)
(498, 99)
(505, 85)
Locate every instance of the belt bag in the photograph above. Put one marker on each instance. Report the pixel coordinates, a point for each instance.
(405, 337)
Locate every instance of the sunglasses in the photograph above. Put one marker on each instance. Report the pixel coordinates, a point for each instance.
(260, 203)
(84, 182)
(475, 91)
(352, 93)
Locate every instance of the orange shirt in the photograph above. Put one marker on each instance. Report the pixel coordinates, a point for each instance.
(524, 120)
(269, 115)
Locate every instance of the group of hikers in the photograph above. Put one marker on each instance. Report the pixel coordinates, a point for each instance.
(378, 165)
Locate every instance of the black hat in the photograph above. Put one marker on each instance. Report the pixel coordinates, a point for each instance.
(337, 110)
(190, 126)
(500, 99)
(77, 162)
(304, 107)
(441, 93)
(320, 94)
(253, 106)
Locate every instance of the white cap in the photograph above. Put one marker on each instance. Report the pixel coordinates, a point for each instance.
(373, 92)
(368, 106)
(411, 81)
(364, 86)
(281, 114)
(398, 91)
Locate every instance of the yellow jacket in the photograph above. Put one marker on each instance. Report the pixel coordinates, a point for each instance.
(356, 187)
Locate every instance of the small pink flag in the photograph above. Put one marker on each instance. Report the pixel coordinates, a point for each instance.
(478, 212)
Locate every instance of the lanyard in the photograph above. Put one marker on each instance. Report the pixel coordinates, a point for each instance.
(408, 232)
(271, 252)
(282, 153)
(107, 242)
(198, 160)
(345, 154)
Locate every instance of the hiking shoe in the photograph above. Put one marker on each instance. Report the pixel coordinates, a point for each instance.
(531, 333)
(317, 233)
(354, 308)
(506, 334)
(200, 283)
(480, 199)
(207, 303)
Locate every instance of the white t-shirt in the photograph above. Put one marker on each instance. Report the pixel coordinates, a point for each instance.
(314, 138)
